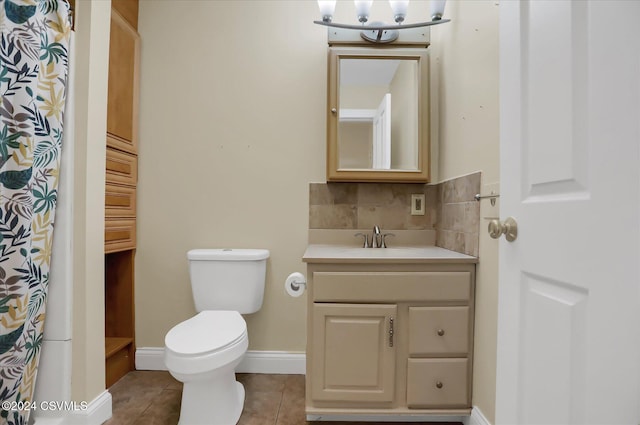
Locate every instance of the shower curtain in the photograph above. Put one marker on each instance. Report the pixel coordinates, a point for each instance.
(33, 77)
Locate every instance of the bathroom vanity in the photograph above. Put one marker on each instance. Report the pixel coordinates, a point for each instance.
(389, 332)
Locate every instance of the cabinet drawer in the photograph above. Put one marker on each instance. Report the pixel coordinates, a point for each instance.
(122, 144)
(437, 383)
(122, 167)
(438, 330)
(120, 201)
(119, 235)
(391, 286)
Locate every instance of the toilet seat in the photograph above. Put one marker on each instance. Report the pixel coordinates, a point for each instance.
(206, 341)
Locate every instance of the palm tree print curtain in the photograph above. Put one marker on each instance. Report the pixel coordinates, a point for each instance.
(33, 77)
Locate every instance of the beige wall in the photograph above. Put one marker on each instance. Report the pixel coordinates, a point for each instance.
(464, 63)
(355, 149)
(92, 63)
(232, 130)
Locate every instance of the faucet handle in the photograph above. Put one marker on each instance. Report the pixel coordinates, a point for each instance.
(384, 242)
(365, 242)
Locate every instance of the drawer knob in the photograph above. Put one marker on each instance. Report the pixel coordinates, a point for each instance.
(440, 332)
(439, 385)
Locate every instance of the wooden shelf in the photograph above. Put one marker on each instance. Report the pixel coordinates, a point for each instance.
(113, 345)
(120, 191)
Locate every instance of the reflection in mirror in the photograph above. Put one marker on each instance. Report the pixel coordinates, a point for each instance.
(378, 114)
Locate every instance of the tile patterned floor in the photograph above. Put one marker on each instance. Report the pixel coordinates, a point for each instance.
(153, 398)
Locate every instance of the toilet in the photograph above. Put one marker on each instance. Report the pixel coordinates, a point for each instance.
(202, 352)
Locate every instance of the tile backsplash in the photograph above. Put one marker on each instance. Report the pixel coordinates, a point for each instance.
(364, 205)
(459, 214)
(450, 209)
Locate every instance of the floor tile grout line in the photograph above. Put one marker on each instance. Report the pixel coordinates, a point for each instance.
(284, 387)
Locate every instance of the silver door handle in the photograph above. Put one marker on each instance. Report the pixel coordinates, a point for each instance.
(508, 228)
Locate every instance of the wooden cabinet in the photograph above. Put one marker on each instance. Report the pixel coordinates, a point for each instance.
(120, 191)
(355, 353)
(122, 100)
(389, 339)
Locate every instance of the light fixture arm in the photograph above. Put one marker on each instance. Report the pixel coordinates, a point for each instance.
(376, 27)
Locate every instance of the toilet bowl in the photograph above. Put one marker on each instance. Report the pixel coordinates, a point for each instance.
(203, 352)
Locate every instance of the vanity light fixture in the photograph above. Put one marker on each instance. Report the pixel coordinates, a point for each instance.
(379, 32)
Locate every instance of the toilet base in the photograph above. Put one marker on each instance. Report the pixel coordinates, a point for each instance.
(212, 401)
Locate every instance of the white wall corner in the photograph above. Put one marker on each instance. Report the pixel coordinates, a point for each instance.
(276, 362)
(476, 418)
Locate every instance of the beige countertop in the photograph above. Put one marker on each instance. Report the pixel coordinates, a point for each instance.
(333, 253)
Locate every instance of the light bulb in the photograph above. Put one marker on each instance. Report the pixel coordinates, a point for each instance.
(362, 9)
(437, 9)
(399, 8)
(327, 7)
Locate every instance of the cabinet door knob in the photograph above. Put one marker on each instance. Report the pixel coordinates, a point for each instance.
(439, 385)
(440, 332)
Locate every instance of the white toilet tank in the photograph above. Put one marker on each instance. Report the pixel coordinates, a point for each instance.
(228, 279)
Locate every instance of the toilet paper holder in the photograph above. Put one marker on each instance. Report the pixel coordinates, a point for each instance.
(295, 284)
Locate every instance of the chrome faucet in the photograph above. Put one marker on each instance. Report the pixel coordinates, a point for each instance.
(376, 238)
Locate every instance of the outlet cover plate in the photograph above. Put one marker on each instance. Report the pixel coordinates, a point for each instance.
(417, 204)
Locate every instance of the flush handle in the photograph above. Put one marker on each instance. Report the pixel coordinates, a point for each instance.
(508, 228)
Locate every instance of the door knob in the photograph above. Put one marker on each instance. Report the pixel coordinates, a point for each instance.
(508, 228)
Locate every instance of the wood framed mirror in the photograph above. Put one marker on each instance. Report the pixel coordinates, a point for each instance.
(378, 115)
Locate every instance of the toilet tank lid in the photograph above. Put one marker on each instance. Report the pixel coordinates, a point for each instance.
(227, 254)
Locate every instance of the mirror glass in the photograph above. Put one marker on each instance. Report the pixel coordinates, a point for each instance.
(378, 109)
(378, 115)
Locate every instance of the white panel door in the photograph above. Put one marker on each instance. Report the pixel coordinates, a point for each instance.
(569, 303)
(382, 134)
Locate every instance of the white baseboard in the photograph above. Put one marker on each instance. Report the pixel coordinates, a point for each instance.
(476, 418)
(96, 412)
(276, 362)
(385, 418)
(150, 358)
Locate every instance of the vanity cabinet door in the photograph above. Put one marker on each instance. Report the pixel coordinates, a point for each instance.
(354, 353)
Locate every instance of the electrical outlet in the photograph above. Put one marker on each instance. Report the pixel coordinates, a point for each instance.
(417, 204)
